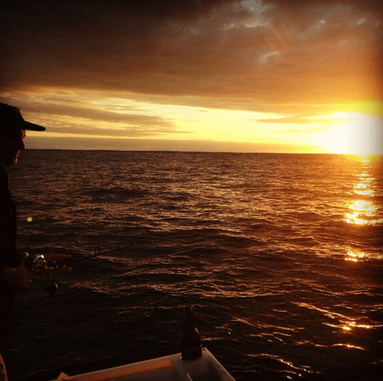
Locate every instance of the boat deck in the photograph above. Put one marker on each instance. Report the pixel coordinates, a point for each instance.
(169, 368)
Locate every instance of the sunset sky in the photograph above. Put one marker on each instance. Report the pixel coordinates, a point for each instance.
(197, 75)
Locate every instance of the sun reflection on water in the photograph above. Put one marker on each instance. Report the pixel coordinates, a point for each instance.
(364, 210)
(363, 213)
(354, 256)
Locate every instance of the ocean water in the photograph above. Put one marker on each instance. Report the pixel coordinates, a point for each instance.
(281, 255)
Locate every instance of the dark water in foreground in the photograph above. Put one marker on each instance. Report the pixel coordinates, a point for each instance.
(282, 256)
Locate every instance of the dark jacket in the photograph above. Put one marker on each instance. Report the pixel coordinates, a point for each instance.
(8, 257)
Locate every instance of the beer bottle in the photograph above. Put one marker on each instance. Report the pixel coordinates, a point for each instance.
(191, 347)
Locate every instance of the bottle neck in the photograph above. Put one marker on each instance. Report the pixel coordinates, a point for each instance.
(189, 318)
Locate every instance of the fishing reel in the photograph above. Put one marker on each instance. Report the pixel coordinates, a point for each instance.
(41, 267)
(38, 264)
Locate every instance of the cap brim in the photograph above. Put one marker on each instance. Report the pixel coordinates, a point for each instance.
(32, 126)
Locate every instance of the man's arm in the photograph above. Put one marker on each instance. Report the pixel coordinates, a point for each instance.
(20, 277)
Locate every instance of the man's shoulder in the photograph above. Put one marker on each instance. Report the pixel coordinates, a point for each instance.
(3, 177)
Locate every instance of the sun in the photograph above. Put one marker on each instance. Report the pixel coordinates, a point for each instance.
(359, 135)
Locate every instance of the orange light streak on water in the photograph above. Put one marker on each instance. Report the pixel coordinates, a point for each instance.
(364, 210)
(363, 213)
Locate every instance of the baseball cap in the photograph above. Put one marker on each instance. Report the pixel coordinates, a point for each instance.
(11, 119)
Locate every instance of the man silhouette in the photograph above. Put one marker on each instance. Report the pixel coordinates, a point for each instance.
(14, 274)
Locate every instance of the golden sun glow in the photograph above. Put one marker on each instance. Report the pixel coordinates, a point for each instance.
(360, 134)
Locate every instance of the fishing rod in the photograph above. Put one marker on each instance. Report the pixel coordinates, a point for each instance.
(41, 267)
(98, 251)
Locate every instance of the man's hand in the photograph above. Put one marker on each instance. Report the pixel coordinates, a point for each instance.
(60, 262)
(20, 277)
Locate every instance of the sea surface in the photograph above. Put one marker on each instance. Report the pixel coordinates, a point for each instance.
(280, 254)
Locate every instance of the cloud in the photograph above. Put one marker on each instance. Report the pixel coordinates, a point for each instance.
(294, 119)
(304, 123)
(125, 132)
(91, 114)
(93, 143)
(247, 55)
(62, 113)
